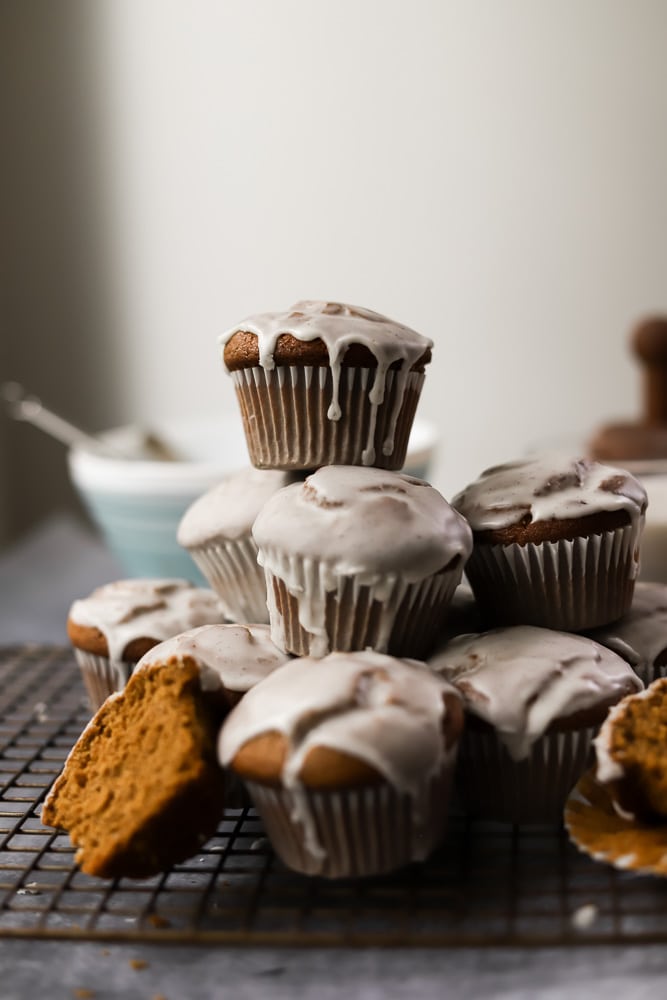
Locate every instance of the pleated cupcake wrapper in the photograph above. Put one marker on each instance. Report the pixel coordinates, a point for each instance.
(493, 786)
(284, 414)
(353, 832)
(396, 616)
(569, 585)
(597, 829)
(232, 571)
(649, 672)
(102, 676)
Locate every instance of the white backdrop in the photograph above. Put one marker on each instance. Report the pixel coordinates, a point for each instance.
(492, 173)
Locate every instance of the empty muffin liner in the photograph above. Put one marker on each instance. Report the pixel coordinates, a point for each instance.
(353, 832)
(102, 676)
(568, 585)
(284, 414)
(491, 785)
(394, 616)
(598, 830)
(232, 572)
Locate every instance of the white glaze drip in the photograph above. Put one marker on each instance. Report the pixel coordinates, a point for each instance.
(545, 487)
(339, 326)
(522, 679)
(235, 657)
(145, 609)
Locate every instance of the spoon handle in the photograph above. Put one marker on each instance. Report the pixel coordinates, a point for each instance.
(31, 409)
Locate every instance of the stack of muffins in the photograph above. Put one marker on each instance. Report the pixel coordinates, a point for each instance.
(346, 739)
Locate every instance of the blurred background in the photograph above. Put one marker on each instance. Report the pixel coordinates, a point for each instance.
(491, 173)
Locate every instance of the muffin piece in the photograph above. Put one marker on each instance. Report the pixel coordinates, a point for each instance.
(112, 628)
(357, 558)
(231, 659)
(326, 384)
(217, 532)
(631, 752)
(534, 699)
(640, 636)
(556, 542)
(142, 789)
(348, 761)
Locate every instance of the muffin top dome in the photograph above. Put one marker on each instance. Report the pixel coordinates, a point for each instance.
(126, 611)
(227, 511)
(548, 487)
(640, 636)
(365, 523)
(388, 713)
(520, 680)
(335, 326)
(232, 657)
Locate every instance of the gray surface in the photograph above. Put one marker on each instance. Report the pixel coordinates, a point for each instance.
(58, 969)
(38, 580)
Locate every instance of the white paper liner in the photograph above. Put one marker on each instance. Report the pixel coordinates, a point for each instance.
(568, 585)
(597, 829)
(394, 616)
(102, 676)
(357, 832)
(285, 418)
(232, 572)
(493, 786)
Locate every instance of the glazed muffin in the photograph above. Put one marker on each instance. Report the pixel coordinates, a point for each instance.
(142, 788)
(534, 701)
(359, 558)
(112, 628)
(348, 761)
(217, 532)
(640, 636)
(556, 542)
(631, 752)
(326, 384)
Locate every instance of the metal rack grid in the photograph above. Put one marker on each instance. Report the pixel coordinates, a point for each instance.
(489, 885)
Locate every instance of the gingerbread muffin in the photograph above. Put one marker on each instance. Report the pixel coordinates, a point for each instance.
(359, 558)
(556, 542)
(112, 628)
(640, 636)
(348, 760)
(326, 384)
(631, 752)
(534, 701)
(217, 532)
(141, 789)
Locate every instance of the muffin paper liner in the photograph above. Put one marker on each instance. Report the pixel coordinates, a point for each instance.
(284, 414)
(568, 585)
(491, 785)
(232, 572)
(598, 830)
(394, 616)
(353, 832)
(102, 676)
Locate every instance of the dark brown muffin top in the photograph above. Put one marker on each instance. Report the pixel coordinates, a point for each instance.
(324, 333)
(550, 497)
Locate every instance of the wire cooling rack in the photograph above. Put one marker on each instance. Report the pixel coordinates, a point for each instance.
(489, 885)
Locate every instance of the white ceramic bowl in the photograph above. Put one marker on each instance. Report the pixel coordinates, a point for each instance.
(138, 504)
